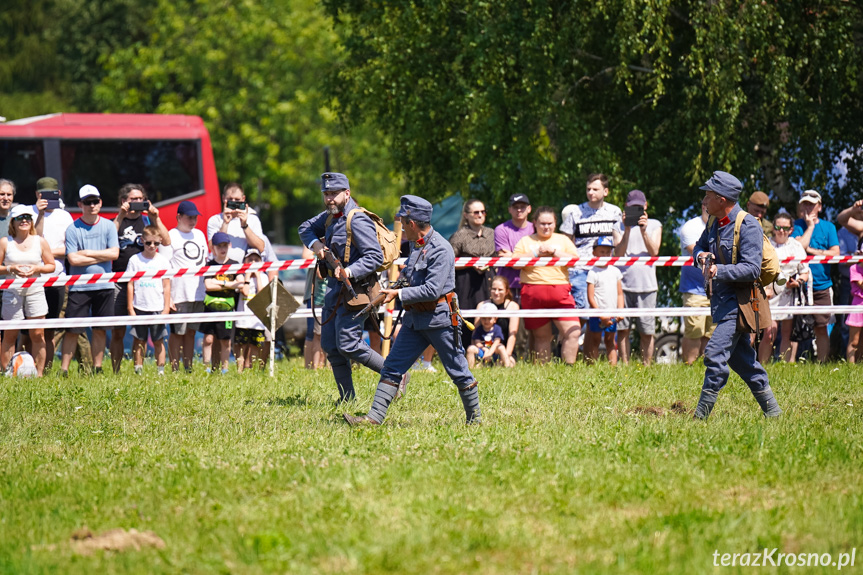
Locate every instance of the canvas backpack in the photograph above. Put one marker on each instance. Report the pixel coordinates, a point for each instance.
(769, 259)
(386, 238)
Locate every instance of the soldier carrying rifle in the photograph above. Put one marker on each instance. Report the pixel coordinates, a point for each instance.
(326, 235)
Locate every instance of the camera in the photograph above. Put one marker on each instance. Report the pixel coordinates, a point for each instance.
(235, 205)
(139, 206)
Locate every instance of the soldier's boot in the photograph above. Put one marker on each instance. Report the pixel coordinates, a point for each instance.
(470, 400)
(344, 382)
(403, 386)
(705, 404)
(768, 402)
(385, 394)
(359, 420)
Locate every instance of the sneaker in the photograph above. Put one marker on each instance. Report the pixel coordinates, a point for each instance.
(209, 370)
(161, 370)
(97, 370)
(64, 373)
(139, 370)
(224, 371)
(189, 369)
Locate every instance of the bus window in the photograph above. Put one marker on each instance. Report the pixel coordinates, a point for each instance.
(166, 168)
(23, 162)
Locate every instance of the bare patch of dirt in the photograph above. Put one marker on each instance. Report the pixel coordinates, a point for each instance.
(85, 542)
(679, 407)
(647, 410)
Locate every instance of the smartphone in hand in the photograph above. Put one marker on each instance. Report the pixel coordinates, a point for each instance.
(632, 215)
(139, 206)
(53, 197)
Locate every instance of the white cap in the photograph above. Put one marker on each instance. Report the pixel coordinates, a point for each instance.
(487, 306)
(88, 190)
(810, 196)
(18, 210)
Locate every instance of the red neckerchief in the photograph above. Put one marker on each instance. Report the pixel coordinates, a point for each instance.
(724, 222)
(338, 215)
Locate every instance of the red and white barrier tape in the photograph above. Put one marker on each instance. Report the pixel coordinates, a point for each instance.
(122, 277)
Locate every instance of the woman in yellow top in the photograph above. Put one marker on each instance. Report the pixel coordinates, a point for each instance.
(547, 287)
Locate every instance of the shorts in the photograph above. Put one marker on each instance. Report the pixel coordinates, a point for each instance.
(187, 307)
(578, 279)
(540, 296)
(55, 295)
(596, 327)
(221, 330)
(24, 303)
(697, 326)
(91, 303)
(639, 300)
(246, 336)
(156, 331)
(121, 305)
(822, 297)
(854, 320)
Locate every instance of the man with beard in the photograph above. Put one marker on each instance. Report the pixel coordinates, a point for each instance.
(341, 334)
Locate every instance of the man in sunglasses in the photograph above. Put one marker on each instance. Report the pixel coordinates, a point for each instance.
(91, 246)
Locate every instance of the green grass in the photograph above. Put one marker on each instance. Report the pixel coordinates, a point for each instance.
(243, 474)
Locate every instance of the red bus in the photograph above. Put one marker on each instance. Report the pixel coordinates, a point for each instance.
(170, 155)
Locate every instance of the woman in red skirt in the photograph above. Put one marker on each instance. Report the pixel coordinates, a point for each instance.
(547, 287)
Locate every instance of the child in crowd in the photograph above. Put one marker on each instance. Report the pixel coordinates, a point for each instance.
(854, 321)
(149, 296)
(486, 341)
(221, 296)
(604, 291)
(249, 336)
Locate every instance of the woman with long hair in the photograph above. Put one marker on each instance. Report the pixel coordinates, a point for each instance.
(548, 287)
(24, 255)
(502, 299)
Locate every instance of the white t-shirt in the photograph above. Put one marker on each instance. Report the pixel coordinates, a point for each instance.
(586, 224)
(251, 322)
(149, 295)
(189, 250)
(239, 245)
(604, 280)
(54, 232)
(640, 278)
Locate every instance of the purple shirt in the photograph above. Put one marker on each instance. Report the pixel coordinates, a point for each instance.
(506, 235)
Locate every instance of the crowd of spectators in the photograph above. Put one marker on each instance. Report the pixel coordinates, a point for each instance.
(44, 239)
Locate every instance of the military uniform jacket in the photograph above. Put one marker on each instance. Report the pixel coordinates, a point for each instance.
(366, 254)
(728, 276)
(431, 272)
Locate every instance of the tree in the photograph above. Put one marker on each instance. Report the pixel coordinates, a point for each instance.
(532, 96)
(253, 70)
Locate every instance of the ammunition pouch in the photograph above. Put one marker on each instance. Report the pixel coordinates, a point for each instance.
(430, 306)
(753, 308)
(367, 290)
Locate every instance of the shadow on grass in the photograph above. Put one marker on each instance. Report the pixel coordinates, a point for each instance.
(292, 401)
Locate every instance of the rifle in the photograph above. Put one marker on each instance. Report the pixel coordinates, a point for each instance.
(401, 282)
(334, 264)
(705, 270)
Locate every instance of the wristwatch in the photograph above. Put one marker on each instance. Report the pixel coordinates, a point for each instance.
(244, 226)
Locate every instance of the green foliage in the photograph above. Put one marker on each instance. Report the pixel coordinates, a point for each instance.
(253, 70)
(532, 96)
(571, 471)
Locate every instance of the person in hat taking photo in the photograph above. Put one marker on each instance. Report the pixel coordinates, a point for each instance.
(729, 347)
(639, 281)
(91, 246)
(24, 255)
(818, 238)
(341, 332)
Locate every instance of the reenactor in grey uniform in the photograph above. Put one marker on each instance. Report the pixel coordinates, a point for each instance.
(729, 347)
(341, 334)
(431, 316)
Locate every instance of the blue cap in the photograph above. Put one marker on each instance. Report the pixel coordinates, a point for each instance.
(187, 208)
(221, 238)
(724, 184)
(334, 182)
(636, 198)
(415, 208)
(604, 241)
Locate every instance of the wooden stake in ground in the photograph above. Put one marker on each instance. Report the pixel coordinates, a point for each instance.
(393, 276)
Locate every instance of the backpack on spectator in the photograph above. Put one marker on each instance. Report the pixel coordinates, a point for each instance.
(386, 238)
(769, 259)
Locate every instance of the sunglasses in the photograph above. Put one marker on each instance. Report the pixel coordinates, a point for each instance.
(92, 202)
(23, 218)
(783, 228)
(478, 213)
(152, 243)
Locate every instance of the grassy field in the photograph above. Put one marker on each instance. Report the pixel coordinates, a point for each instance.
(574, 469)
